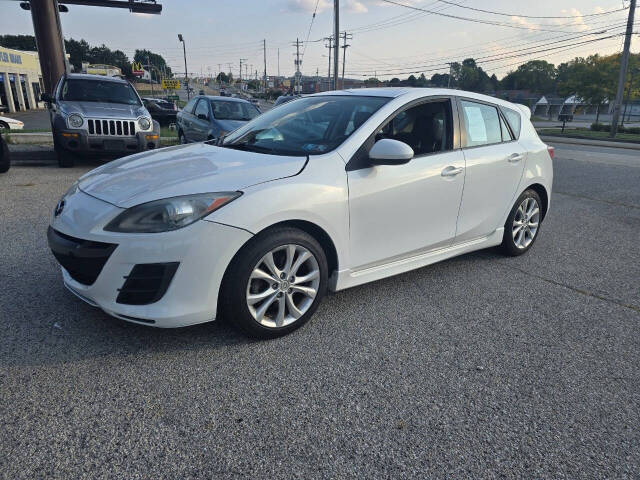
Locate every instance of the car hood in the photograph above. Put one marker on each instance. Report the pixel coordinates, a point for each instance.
(103, 110)
(184, 170)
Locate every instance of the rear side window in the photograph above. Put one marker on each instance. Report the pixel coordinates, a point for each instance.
(202, 108)
(514, 120)
(482, 124)
(189, 106)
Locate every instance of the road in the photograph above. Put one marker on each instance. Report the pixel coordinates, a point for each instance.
(478, 367)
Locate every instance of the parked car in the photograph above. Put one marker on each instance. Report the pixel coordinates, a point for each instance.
(7, 123)
(284, 99)
(328, 192)
(93, 114)
(164, 111)
(5, 159)
(208, 117)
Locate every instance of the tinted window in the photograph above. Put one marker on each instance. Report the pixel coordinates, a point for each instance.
(308, 126)
(425, 128)
(514, 120)
(233, 110)
(202, 108)
(482, 124)
(506, 133)
(81, 90)
(189, 106)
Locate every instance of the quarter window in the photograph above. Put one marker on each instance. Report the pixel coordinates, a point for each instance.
(482, 124)
(514, 120)
(506, 134)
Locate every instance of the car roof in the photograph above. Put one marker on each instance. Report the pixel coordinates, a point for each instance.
(413, 92)
(87, 76)
(224, 99)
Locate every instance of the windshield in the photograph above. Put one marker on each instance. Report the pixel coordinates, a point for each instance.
(306, 126)
(233, 110)
(80, 90)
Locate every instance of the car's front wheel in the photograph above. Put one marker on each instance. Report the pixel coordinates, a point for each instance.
(275, 283)
(182, 138)
(523, 224)
(65, 158)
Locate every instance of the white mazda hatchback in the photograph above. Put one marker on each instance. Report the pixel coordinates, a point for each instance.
(325, 192)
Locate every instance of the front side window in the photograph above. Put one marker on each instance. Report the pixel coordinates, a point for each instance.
(233, 110)
(105, 91)
(426, 128)
(481, 123)
(202, 109)
(307, 126)
(189, 106)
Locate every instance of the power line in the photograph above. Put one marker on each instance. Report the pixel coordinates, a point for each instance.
(313, 17)
(492, 12)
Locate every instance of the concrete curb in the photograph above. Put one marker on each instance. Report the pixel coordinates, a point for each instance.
(45, 138)
(584, 141)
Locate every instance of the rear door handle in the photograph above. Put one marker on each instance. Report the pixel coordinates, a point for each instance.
(451, 171)
(514, 157)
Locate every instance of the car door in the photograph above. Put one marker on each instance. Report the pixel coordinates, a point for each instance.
(494, 167)
(398, 211)
(201, 121)
(185, 119)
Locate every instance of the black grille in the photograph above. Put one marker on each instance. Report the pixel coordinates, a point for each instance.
(147, 283)
(121, 128)
(83, 259)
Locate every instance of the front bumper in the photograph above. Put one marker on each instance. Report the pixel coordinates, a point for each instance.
(201, 251)
(80, 141)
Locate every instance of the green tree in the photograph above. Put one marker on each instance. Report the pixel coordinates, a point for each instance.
(158, 63)
(19, 42)
(536, 75)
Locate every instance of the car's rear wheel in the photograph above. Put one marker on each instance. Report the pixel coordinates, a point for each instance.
(275, 283)
(523, 224)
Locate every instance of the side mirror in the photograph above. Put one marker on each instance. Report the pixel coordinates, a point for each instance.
(390, 152)
(47, 98)
(203, 116)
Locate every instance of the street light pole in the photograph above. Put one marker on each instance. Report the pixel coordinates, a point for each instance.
(186, 74)
(624, 62)
(336, 37)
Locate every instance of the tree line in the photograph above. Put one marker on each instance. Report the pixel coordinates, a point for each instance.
(80, 51)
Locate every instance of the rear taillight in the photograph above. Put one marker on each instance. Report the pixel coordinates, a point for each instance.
(551, 150)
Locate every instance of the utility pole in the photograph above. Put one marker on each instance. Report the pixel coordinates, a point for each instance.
(336, 35)
(219, 72)
(264, 49)
(624, 63)
(48, 33)
(245, 66)
(330, 47)
(186, 75)
(150, 75)
(450, 72)
(344, 46)
(296, 88)
(278, 63)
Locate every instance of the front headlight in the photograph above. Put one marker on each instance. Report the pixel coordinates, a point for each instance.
(144, 123)
(169, 213)
(75, 120)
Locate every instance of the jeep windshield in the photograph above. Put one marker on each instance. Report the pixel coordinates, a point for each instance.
(105, 91)
(307, 126)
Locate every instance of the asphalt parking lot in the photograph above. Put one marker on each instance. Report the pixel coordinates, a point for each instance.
(478, 367)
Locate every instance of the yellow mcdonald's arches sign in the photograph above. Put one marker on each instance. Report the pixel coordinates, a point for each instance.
(136, 68)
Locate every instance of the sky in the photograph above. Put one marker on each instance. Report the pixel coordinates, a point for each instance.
(388, 40)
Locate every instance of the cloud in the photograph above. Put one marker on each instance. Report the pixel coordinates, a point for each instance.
(525, 23)
(354, 6)
(307, 6)
(574, 22)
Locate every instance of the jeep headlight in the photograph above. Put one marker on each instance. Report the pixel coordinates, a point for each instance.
(144, 123)
(75, 120)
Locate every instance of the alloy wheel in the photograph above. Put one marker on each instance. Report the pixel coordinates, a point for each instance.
(525, 223)
(283, 285)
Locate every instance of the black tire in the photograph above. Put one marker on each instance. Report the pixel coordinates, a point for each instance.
(509, 246)
(65, 158)
(181, 138)
(5, 160)
(4, 126)
(232, 305)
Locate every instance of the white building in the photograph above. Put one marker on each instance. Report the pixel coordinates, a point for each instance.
(20, 80)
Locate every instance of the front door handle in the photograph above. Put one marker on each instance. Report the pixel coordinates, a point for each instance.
(514, 157)
(451, 171)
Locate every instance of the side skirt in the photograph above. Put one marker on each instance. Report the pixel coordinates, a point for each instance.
(350, 278)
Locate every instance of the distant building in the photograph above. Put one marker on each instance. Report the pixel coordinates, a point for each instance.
(20, 80)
